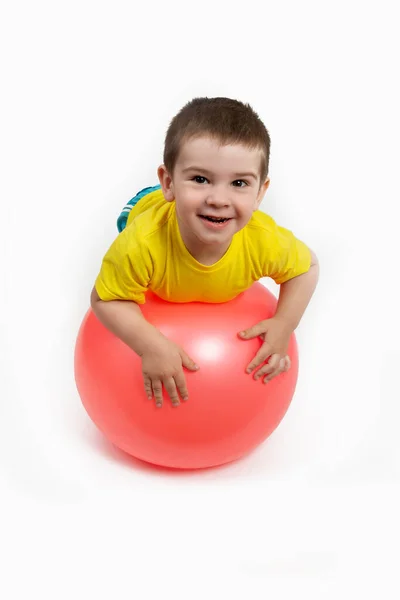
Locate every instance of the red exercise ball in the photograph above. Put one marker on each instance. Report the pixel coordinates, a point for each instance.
(228, 413)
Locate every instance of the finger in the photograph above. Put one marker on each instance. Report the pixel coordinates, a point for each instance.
(188, 362)
(180, 383)
(170, 388)
(157, 391)
(285, 364)
(147, 387)
(252, 332)
(271, 366)
(261, 356)
(280, 369)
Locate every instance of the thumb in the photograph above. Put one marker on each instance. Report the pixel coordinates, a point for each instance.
(188, 362)
(252, 332)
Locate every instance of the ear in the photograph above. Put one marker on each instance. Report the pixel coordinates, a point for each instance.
(166, 183)
(261, 193)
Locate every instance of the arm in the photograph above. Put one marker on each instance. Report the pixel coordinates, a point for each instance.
(162, 359)
(125, 320)
(295, 295)
(124, 278)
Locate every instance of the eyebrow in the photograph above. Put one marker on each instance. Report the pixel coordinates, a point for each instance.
(235, 175)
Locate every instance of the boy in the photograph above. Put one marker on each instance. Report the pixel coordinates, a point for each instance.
(199, 236)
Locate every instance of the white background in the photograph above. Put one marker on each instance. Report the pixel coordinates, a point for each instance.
(88, 90)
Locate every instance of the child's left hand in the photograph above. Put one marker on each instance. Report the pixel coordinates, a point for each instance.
(276, 335)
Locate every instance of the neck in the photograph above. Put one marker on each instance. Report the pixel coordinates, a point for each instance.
(206, 255)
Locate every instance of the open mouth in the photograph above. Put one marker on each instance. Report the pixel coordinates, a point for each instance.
(215, 219)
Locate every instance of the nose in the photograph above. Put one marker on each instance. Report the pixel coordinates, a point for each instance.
(217, 198)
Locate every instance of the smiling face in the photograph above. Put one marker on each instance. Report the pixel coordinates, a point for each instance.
(216, 190)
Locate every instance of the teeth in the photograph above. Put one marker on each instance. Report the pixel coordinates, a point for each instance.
(215, 219)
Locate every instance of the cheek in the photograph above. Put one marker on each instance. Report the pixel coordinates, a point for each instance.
(187, 204)
(247, 208)
(193, 195)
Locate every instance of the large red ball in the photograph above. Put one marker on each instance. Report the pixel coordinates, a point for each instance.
(228, 413)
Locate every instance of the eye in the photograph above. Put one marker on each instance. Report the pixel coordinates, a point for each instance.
(240, 181)
(199, 179)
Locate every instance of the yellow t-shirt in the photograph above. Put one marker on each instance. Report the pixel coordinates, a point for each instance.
(150, 254)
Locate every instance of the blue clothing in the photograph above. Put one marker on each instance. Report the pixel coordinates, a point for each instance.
(123, 217)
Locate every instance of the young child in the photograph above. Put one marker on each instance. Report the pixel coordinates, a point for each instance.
(199, 236)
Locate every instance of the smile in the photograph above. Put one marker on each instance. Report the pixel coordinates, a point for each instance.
(215, 219)
(215, 222)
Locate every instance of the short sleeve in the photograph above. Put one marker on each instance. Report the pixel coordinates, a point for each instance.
(288, 256)
(126, 269)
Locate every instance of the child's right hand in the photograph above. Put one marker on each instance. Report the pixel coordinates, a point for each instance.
(162, 365)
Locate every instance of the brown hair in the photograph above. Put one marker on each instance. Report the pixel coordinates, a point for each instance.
(229, 121)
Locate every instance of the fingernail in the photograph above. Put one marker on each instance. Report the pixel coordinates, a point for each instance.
(242, 333)
(158, 405)
(248, 370)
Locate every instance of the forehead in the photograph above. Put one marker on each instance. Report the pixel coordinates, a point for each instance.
(210, 154)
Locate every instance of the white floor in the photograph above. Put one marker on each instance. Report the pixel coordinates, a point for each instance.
(314, 511)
